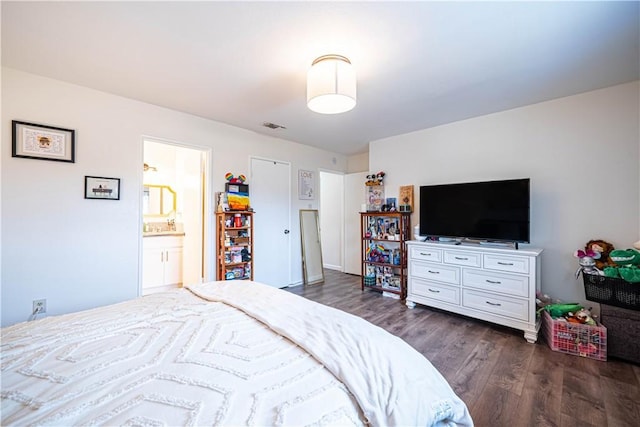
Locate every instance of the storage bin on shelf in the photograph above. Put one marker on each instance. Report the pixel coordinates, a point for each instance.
(574, 338)
(612, 291)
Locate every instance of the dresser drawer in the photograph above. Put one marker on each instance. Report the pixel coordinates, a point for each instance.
(436, 291)
(496, 304)
(438, 272)
(496, 282)
(511, 264)
(425, 254)
(468, 259)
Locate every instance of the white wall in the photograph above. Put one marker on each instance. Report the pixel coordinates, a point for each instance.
(358, 163)
(80, 253)
(581, 153)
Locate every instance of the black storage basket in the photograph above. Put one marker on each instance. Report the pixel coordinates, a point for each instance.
(612, 291)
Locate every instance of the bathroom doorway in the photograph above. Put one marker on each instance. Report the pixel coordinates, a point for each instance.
(175, 228)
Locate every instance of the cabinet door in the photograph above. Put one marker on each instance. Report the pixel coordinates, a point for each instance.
(153, 267)
(173, 266)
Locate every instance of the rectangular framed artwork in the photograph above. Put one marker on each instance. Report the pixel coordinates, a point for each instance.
(34, 141)
(306, 185)
(97, 187)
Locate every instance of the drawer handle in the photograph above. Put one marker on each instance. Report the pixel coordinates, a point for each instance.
(505, 263)
(434, 291)
(461, 258)
(494, 304)
(433, 272)
(422, 253)
(493, 282)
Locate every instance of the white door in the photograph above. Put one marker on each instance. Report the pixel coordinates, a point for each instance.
(270, 197)
(354, 198)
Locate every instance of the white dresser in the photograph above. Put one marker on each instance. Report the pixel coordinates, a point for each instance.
(494, 284)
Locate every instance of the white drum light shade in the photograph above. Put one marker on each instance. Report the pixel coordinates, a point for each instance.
(331, 85)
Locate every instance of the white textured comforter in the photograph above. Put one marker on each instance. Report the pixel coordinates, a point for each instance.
(179, 359)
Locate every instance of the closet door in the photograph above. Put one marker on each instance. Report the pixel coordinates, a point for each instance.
(270, 196)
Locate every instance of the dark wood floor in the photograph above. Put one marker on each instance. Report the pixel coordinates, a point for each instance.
(504, 380)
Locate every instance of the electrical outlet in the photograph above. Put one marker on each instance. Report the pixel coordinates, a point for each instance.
(39, 306)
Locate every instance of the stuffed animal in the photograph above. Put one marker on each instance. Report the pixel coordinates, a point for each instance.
(603, 248)
(627, 262)
(584, 316)
(375, 179)
(240, 179)
(587, 261)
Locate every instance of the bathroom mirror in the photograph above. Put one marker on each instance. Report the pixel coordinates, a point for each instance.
(158, 200)
(311, 248)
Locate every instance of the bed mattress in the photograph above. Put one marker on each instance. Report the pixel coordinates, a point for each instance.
(222, 353)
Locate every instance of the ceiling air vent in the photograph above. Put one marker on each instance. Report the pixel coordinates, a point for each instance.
(272, 125)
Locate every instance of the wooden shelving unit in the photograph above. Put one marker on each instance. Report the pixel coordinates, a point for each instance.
(234, 245)
(384, 257)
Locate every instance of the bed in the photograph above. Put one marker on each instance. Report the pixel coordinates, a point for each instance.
(219, 353)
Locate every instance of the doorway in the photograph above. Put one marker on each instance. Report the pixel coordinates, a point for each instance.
(332, 219)
(270, 195)
(180, 172)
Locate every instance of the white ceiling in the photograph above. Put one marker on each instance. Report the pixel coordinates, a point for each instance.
(419, 64)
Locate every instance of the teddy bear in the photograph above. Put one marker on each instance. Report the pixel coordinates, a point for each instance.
(603, 250)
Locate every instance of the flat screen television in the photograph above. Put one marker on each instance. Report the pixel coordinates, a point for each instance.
(491, 210)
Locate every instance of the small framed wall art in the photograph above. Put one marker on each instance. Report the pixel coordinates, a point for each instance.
(306, 185)
(34, 141)
(97, 187)
(406, 198)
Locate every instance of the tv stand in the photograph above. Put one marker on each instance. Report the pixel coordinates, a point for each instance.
(495, 284)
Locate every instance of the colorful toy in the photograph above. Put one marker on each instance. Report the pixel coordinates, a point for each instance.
(627, 262)
(560, 310)
(240, 179)
(584, 316)
(375, 179)
(603, 249)
(587, 261)
(626, 257)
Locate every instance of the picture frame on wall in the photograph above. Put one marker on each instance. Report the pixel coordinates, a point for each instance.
(306, 185)
(42, 142)
(98, 187)
(406, 198)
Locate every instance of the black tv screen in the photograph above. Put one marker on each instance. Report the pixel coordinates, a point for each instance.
(491, 210)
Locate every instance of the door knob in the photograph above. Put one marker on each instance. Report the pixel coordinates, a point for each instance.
(286, 231)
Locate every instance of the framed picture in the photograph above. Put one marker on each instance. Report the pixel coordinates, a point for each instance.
(406, 198)
(306, 185)
(375, 198)
(97, 187)
(33, 141)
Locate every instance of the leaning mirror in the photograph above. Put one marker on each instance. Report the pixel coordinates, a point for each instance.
(158, 200)
(311, 248)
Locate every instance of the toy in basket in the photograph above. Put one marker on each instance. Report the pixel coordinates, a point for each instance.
(575, 338)
(617, 284)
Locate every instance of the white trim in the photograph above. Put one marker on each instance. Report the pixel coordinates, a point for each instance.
(207, 251)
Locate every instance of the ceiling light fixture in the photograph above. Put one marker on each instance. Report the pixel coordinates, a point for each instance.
(331, 85)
